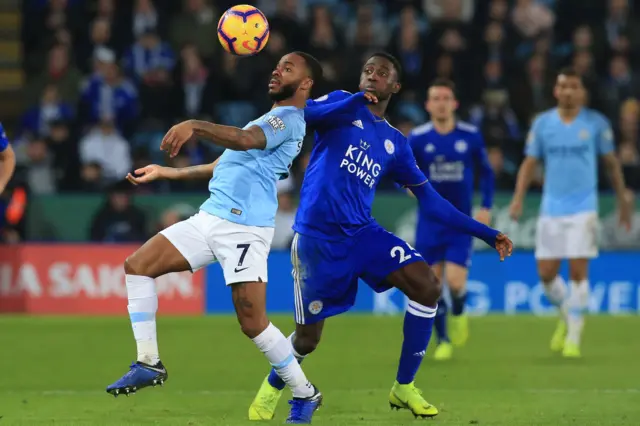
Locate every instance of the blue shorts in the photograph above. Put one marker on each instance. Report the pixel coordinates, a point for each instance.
(456, 250)
(325, 273)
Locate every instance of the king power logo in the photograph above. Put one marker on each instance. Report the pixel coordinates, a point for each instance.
(358, 163)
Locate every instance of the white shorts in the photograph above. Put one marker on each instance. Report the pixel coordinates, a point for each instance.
(241, 250)
(567, 237)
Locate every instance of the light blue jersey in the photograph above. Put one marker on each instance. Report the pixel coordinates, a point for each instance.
(243, 186)
(570, 155)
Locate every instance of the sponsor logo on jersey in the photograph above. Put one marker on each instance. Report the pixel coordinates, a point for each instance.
(276, 123)
(389, 147)
(358, 163)
(444, 171)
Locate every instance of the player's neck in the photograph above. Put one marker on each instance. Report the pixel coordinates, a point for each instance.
(378, 109)
(567, 115)
(291, 102)
(444, 126)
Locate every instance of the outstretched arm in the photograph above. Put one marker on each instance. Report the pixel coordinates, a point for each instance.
(321, 113)
(154, 172)
(440, 210)
(7, 166)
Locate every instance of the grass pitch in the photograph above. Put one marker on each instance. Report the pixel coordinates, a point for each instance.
(54, 371)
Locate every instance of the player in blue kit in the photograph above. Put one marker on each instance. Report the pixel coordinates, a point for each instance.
(568, 140)
(235, 227)
(7, 160)
(337, 241)
(449, 152)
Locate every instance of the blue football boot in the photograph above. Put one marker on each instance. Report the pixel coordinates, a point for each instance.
(140, 375)
(302, 409)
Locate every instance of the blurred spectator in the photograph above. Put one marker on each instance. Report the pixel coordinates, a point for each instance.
(287, 19)
(449, 10)
(619, 85)
(410, 50)
(174, 215)
(628, 122)
(63, 149)
(620, 30)
(105, 146)
(118, 221)
(149, 60)
(145, 18)
(99, 39)
(60, 73)
(324, 40)
(193, 92)
(532, 94)
(236, 85)
(110, 96)
(367, 31)
(531, 18)
(91, 179)
(498, 10)
(495, 119)
(285, 216)
(36, 120)
(36, 161)
(197, 24)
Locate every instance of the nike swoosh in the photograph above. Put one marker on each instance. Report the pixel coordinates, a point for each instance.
(157, 370)
(240, 270)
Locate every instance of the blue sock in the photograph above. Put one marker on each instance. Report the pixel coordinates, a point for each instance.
(418, 325)
(440, 322)
(274, 379)
(457, 302)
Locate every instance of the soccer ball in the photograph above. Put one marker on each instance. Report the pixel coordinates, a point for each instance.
(243, 30)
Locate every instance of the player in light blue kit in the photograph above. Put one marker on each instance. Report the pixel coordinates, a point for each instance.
(568, 140)
(449, 152)
(7, 160)
(234, 227)
(337, 240)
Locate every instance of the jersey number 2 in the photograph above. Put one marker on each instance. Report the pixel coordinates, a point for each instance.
(399, 250)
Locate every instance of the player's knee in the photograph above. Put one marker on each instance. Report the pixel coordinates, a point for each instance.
(252, 326)
(305, 344)
(427, 290)
(133, 265)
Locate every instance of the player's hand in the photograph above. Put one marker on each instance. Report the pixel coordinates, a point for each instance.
(484, 216)
(504, 246)
(515, 209)
(626, 210)
(147, 174)
(371, 97)
(177, 136)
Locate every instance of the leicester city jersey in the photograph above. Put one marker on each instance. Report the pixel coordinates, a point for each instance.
(352, 152)
(4, 141)
(243, 186)
(570, 153)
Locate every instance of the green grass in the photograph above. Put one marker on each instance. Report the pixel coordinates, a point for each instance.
(54, 371)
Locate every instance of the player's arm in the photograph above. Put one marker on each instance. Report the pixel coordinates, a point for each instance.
(613, 168)
(154, 172)
(324, 113)
(329, 98)
(7, 160)
(533, 153)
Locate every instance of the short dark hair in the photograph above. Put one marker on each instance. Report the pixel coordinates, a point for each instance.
(444, 82)
(570, 72)
(389, 57)
(313, 66)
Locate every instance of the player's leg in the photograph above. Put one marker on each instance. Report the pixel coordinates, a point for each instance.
(550, 250)
(444, 349)
(324, 285)
(458, 259)
(181, 247)
(390, 262)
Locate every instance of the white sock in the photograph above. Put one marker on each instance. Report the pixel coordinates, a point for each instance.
(278, 351)
(293, 349)
(143, 305)
(556, 291)
(577, 304)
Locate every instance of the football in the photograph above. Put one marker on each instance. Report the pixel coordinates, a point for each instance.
(243, 30)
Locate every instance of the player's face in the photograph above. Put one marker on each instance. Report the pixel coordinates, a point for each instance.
(379, 77)
(290, 75)
(441, 103)
(569, 91)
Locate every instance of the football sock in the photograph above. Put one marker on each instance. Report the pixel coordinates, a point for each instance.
(418, 324)
(274, 379)
(577, 305)
(278, 351)
(440, 321)
(143, 305)
(556, 291)
(457, 302)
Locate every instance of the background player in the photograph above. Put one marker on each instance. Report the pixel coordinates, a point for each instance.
(7, 160)
(447, 151)
(337, 240)
(235, 227)
(569, 139)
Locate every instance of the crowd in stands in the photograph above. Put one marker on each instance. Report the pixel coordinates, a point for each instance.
(106, 79)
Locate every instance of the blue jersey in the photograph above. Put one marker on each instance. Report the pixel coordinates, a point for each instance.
(352, 151)
(4, 141)
(570, 155)
(243, 186)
